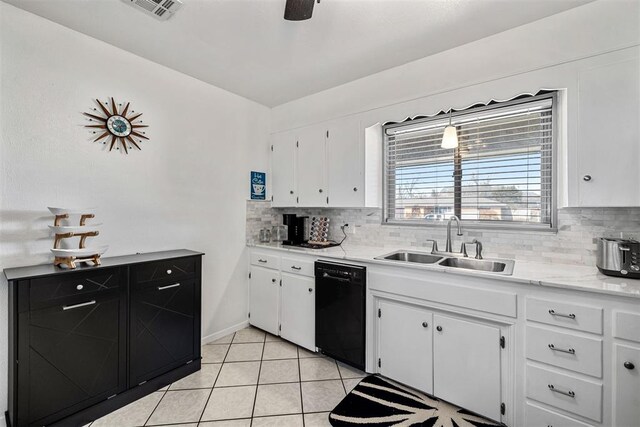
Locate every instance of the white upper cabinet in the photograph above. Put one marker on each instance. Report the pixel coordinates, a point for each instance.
(608, 149)
(283, 169)
(345, 174)
(312, 186)
(331, 164)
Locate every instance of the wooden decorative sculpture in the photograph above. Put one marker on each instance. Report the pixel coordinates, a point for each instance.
(69, 257)
(119, 126)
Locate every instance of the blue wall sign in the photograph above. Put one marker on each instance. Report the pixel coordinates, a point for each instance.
(258, 185)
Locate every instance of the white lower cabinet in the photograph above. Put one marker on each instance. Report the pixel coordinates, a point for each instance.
(297, 319)
(264, 298)
(626, 399)
(449, 357)
(466, 359)
(405, 344)
(282, 297)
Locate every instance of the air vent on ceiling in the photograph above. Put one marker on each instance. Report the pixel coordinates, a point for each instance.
(159, 9)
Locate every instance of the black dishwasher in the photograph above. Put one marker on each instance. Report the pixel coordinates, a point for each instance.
(340, 311)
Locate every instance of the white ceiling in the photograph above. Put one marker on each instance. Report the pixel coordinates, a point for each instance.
(246, 47)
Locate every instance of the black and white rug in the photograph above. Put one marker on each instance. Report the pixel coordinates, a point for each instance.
(380, 402)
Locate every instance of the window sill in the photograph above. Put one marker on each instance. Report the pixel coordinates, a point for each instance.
(474, 225)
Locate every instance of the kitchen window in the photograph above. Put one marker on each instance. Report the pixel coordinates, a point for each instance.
(501, 173)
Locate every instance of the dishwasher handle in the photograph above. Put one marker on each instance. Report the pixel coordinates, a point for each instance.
(330, 277)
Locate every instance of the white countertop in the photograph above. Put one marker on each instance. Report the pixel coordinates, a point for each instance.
(583, 278)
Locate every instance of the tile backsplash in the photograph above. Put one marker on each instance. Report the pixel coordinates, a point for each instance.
(574, 243)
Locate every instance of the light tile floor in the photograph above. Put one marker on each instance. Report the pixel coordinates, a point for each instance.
(249, 378)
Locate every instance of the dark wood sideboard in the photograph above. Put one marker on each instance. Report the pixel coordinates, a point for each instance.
(85, 342)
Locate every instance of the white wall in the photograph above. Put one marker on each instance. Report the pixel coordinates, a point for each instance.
(595, 28)
(185, 189)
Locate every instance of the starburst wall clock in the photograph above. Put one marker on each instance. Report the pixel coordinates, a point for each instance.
(119, 127)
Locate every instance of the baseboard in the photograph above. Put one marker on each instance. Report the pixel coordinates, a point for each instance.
(225, 332)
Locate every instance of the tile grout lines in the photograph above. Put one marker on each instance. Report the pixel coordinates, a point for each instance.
(300, 385)
(223, 361)
(255, 396)
(340, 375)
(216, 380)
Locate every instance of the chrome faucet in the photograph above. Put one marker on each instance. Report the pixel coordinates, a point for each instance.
(453, 217)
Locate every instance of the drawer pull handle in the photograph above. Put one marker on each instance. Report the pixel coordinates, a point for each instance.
(629, 365)
(293, 267)
(565, 393)
(83, 304)
(169, 271)
(162, 288)
(262, 260)
(568, 316)
(562, 350)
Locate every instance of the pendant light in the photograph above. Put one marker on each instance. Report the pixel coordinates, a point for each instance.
(450, 136)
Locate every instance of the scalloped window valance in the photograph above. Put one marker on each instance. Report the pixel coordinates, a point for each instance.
(501, 173)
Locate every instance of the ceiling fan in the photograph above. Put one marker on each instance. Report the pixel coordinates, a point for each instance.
(299, 10)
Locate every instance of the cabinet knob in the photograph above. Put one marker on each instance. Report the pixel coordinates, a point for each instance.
(439, 328)
(79, 287)
(629, 365)
(169, 271)
(587, 178)
(320, 190)
(310, 289)
(425, 324)
(273, 280)
(291, 192)
(355, 188)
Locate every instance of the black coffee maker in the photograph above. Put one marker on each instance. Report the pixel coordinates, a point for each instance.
(296, 229)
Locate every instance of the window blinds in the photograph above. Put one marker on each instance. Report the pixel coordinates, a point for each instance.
(502, 171)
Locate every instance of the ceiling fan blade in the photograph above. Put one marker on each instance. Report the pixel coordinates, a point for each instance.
(298, 10)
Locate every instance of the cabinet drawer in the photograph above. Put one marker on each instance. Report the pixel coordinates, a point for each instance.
(565, 391)
(572, 316)
(538, 417)
(173, 269)
(565, 350)
(49, 290)
(265, 259)
(627, 326)
(296, 265)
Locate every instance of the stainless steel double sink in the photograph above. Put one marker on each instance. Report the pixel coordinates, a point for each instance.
(498, 266)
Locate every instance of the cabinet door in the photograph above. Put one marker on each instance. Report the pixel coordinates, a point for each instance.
(405, 348)
(164, 328)
(73, 356)
(298, 307)
(466, 358)
(345, 164)
(312, 189)
(264, 295)
(283, 169)
(608, 135)
(627, 386)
